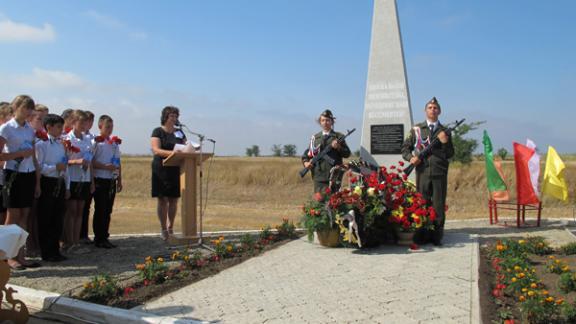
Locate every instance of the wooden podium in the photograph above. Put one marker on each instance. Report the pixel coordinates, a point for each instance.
(189, 185)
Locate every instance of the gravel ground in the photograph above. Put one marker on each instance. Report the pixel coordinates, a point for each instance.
(87, 261)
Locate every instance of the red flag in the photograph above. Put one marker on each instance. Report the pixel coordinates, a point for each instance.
(524, 188)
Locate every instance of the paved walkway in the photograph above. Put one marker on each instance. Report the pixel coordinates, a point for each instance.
(305, 283)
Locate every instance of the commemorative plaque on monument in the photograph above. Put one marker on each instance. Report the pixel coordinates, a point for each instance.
(387, 113)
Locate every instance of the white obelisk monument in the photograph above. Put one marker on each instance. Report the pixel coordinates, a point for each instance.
(387, 113)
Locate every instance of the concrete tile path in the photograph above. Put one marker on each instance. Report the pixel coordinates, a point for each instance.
(302, 282)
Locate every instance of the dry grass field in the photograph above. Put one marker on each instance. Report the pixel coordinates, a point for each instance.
(247, 193)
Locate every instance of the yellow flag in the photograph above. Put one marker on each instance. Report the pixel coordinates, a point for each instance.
(554, 184)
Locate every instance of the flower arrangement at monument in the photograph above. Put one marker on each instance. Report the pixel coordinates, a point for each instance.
(378, 203)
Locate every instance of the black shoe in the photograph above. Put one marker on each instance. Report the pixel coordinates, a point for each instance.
(56, 258)
(33, 265)
(103, 245)
(110, 243)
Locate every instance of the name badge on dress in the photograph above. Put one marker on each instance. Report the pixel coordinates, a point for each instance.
(179, 134)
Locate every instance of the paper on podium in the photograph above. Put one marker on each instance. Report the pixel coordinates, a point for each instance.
(190, 147)
(12, 238)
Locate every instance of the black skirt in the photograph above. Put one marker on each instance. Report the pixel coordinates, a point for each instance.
(79, 190)
(18, 191)
(165, 180)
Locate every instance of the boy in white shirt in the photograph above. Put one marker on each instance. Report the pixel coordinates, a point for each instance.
(54, 182)
(107, 179)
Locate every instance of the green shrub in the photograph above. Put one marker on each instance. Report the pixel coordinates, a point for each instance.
(567, 282)
(568, 249)
(569, 312)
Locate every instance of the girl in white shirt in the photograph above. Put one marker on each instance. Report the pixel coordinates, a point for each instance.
(81, 178)
(17, 149)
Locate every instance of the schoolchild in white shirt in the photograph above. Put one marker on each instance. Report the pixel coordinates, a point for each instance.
(17, 149)
(5, 115)
(108, 180)
(86, 211)
(54, 180)
(33, 242)
(81, 178)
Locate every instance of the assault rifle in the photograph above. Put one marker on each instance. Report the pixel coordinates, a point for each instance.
(324, 152)
(427, 151)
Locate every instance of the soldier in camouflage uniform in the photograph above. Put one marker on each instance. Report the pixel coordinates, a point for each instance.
(321, 170)
(432, 173)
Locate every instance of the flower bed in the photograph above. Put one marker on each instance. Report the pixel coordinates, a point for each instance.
(526, 281)
(378, 203)
(158, 275)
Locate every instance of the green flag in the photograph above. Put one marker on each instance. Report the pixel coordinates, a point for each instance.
(494, 177)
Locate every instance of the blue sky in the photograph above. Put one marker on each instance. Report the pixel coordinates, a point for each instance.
(259, 72)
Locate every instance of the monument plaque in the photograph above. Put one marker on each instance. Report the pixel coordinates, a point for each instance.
(387, 113)
(386, 139)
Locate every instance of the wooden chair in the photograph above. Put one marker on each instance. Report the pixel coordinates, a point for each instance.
(520, 209)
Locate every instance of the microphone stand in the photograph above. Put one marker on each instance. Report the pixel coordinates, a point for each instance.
(201, 139)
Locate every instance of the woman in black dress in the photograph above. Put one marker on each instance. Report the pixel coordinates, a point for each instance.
(166, 180)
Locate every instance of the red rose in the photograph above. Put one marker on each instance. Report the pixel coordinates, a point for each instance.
(67, 130)
(328, 191)
(353, 180)
(401, 163)
(318, 196)
(414, 247)
(497, 293)
(99, 139)
(41, 134)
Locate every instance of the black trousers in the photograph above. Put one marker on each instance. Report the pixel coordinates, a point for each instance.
(85, 218)
(50, 213)
(103, 204)
(434, 189)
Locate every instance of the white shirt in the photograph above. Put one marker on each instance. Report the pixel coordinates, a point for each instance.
(18, 138)
(106, 153)
(77, 174)
(433, 123)
(49, 153)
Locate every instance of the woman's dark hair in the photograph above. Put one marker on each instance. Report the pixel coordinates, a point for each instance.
(166, 112)
(52, 119)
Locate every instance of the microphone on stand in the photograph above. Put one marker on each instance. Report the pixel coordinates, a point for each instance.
(179, 125)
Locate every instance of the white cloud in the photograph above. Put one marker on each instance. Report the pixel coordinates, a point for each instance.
(11, 32)
(115, 24)
(47, 79)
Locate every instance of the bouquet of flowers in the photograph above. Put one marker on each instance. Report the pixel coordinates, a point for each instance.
(377, 202)
(409, 210)
(317, 216)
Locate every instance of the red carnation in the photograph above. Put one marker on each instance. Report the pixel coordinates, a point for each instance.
(41, 134)
(128, 291)
(115, 140)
